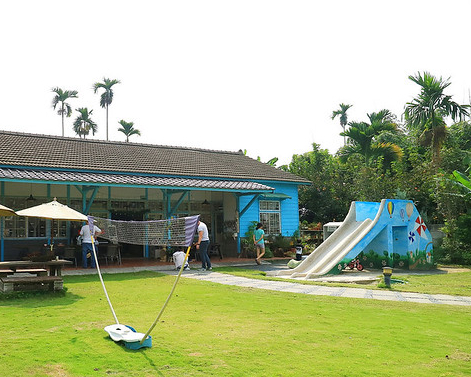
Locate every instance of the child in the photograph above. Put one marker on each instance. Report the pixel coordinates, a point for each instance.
(178, 258)
(259, 242)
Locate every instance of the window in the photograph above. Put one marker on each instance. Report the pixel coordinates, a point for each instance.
(270, 216)
(15, 227)
(21, 227)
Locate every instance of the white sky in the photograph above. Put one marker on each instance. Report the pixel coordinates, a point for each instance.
(227, 75)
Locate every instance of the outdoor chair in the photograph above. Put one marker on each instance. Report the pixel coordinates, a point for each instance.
(69, 254)
(215, 249)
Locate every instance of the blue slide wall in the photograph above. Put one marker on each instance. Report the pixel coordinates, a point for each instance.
(399, 238)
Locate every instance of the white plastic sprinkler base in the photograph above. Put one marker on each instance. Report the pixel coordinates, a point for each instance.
(128, 335)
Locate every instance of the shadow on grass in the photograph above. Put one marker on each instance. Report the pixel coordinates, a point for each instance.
(141, 351)
(38, 299)
(54, 298)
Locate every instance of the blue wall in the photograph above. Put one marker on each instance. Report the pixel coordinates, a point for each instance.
(289, 209)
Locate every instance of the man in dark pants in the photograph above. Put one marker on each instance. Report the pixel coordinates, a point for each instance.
(87, 249)
(203, 245)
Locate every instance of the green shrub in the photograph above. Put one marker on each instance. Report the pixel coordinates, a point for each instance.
(268, 253)
(456, 246)
(247, 241)
(280, 242)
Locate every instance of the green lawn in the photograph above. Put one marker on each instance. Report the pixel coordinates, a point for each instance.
(216, 330)
(451, 284)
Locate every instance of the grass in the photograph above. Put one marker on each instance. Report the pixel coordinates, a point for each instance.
(451, 284)
(216, 330)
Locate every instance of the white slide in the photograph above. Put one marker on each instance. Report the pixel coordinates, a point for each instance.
(336, 247)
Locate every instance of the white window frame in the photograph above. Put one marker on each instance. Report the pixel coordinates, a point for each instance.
(270, 216)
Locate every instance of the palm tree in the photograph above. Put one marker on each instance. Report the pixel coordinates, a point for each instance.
(128, 129)
(342, 112)
(363, 138)
(106, 96)
(426, 113)
(60, 97)
(83, 123)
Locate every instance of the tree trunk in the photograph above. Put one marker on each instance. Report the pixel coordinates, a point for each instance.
(62, 114)
(106, 122)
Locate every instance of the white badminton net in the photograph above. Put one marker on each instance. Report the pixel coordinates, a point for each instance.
(171, 232)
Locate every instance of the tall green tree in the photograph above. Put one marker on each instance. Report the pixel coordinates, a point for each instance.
(83, 124)
(363, 138)
(60, 98)
(128, 129)
(325, 199)
(426, 114)
(342, 113)
(107, 96)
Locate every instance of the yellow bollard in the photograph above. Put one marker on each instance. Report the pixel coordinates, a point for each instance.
(387, 272)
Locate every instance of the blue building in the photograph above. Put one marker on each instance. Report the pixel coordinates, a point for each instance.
(131, 181)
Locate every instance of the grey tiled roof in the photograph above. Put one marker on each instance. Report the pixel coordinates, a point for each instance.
(123, 179)
(65, 153)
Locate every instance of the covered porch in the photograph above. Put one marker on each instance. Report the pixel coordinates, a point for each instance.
(128, 197)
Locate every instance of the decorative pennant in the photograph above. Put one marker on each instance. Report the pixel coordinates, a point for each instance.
(420, 227)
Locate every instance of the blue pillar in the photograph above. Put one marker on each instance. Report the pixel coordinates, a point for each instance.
(48, 222)
(67, 229)
(146, 247)
(2, 224)
(238, 223)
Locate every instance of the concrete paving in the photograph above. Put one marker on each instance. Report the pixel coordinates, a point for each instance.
(320, 290)
(289, 286)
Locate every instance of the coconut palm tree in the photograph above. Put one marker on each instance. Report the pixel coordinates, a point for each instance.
(107, 96)
(427, 112)
(60, 97)
(128, 129)
(342, 113)
(83, 124)
(363, 138)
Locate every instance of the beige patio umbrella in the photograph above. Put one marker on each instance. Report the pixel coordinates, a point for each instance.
(53, 211)
(5, 211)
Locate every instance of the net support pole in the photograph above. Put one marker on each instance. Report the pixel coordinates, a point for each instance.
(101, 280)
(168, 298)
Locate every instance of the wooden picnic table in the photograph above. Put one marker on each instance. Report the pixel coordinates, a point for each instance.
(54, 266)
(12, 275)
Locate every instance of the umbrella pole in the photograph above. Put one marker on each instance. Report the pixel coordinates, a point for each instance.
(101, 280)
(52, 236)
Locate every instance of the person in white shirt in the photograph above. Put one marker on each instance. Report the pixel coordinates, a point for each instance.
(87, 249)
(202, 245)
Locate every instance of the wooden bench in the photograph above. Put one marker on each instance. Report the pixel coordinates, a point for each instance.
(35, 271)
(6, 272)
(31, 283)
